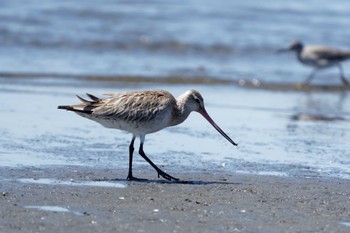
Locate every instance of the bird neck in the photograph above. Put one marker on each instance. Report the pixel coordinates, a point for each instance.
(181, 111)
(298, 50)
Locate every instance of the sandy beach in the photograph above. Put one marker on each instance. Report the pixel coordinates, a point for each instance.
(201, 202)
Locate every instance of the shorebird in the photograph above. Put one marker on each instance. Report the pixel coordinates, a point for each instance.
(319, 57)
(141, 113)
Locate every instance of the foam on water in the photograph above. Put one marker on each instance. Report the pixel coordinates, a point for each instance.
(347, 224)
(263, 173)
(53, 209)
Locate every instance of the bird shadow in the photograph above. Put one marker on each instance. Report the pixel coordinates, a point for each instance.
(153, 181)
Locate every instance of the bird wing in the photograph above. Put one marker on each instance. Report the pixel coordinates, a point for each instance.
(322, 52)
(133, 106)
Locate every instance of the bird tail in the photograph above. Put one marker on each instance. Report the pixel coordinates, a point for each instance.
(67, 107)
(75, 108)
(85, 107)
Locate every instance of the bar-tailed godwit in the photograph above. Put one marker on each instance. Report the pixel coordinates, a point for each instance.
(319, 57)
(141, 113)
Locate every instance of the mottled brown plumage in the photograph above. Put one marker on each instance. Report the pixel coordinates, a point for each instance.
(141, 113)
(138, 106)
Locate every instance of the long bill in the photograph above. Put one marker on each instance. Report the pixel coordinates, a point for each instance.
(206, 116)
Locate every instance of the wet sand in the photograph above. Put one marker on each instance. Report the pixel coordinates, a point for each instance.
(108, 80)
(205, 202)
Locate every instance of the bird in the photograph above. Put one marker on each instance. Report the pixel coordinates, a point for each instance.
(141, 113)
(319, 57)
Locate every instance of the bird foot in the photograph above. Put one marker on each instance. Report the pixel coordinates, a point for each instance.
(130, 177)
(166, 176)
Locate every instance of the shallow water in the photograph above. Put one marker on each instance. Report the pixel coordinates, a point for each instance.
(271, 140)
(53, 50)
(220, 39)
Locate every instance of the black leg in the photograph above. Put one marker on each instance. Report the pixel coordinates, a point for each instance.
(342, 76)
(131, 151)
(345, 82)
(310, 77)
(160, 172)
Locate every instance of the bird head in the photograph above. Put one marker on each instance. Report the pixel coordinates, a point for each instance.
(195, 102)
(295, 45)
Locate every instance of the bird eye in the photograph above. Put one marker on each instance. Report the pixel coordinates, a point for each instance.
(197, 100)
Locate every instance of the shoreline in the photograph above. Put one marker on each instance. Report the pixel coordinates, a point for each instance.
(172, 80)
(206, 202)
